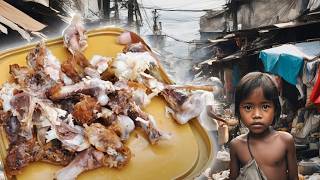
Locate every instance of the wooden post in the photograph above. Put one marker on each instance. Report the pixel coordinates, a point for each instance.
(234, 9)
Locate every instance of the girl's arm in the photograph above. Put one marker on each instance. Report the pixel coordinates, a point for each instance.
(234, 161)
(292, 159)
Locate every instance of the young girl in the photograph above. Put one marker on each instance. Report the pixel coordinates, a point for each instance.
(263, 153)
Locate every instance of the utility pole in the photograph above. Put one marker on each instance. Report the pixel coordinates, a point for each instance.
(156, 28)
(137, 13)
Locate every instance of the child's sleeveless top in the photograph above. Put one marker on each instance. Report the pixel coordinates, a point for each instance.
(251, 171)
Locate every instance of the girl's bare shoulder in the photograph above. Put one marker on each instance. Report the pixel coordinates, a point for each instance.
(285, 136)
(239, 140)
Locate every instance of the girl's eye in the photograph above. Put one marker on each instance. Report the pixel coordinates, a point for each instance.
(247, 107)
(265, 107)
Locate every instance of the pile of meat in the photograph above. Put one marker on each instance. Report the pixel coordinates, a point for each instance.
(80, 113)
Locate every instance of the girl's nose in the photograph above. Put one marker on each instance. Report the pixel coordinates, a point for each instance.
(257, 113)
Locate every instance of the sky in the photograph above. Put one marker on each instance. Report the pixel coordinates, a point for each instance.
(181, 25)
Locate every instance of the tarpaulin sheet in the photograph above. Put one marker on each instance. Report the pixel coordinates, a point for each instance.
(286, 60)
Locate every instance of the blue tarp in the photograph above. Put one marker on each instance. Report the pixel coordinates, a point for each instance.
(287, 60)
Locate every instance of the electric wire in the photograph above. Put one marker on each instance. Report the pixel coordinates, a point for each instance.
(147, 19)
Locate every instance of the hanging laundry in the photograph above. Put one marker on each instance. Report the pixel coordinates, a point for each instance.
(314, 97)
(287, 60)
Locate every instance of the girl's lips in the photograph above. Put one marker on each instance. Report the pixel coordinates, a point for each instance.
(257, 125)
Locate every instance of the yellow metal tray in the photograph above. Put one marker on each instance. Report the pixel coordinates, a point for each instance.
(184, 156)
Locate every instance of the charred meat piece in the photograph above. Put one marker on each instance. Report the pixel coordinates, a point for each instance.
(117, 154)
(85, 111)
(68, 67)
(75, 66)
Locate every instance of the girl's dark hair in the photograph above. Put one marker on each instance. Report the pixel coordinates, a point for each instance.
(254, 80)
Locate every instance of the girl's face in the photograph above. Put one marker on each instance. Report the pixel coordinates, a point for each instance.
(256, 112)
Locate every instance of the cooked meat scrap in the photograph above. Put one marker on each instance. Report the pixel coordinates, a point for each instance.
(117, 159)
(120, 100)
(74, 37)
(20, 74)
(174, 98)
(135, 47)
(190, 108)
(147, 123)
(84, 161)
(53, 153)
(68, 67)
(35, 58)
(68, 104)
(12, 128)
(20, 154)
(71, 137)
(75, 66)
(107, 117)
(81, 60)
(20, 103)
(85, 111)
(123, 126)
(4, 116)
(102, 138)
(36, 81)
(117, 154)
(94, 87)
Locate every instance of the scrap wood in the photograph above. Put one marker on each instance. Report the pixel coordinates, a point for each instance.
(13, 26)
(194, 87)
(18, 17)
(3, 29)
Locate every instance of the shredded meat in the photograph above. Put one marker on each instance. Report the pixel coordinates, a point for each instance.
(86, 110)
